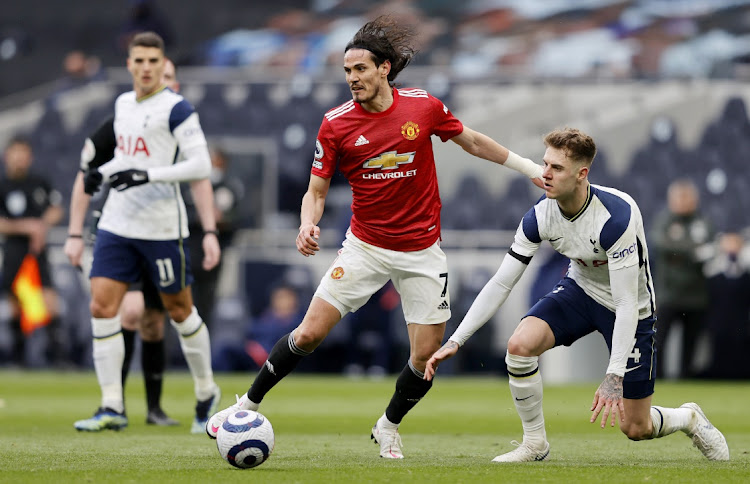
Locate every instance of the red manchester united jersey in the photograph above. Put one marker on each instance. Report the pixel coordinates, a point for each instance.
(387, 158)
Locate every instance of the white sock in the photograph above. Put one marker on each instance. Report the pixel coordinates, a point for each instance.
(247, 404)
(670, 420)
(387, 424)
(196, 346)
(109, 353)
(525, 383)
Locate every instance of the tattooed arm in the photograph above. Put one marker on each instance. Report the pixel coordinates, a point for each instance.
(447, 351)
(608, 397)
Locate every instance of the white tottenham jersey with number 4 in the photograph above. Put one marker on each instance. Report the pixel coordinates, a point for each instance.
(607, 234)
(150, 133)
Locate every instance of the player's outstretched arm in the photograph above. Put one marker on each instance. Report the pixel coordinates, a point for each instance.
(482, 146)
(313, 204)
(449, 349)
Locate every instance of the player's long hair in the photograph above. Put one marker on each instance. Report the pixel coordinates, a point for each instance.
(386, 40)
(577, 145)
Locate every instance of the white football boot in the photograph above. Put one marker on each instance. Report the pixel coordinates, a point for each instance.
(214, 423)
(707, 438)
(389, 440)
(524, 452)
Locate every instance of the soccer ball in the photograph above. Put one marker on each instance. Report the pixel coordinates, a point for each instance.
(245, 439)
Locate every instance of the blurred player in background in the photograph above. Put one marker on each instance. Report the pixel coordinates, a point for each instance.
(227, 192)
(381, 141)
(141, 309)
(143, 223)
(608, 289)
(29, 206)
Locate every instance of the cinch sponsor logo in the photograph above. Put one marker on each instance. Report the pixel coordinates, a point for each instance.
(625, 252)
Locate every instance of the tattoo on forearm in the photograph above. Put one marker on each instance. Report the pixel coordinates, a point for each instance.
(611, 387)
(450, 345)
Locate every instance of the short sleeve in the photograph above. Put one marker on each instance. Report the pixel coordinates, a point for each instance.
(326, 155)
(446, 126)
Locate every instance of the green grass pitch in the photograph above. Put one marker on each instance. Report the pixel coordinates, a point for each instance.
(322, 427)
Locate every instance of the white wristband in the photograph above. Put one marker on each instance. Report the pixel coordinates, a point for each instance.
(523, 165)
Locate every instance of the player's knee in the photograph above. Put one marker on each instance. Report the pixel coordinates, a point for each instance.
(308, 338)
(635, 431)
(101, 309)
(130, 318)
(179, 310)
(517, 345)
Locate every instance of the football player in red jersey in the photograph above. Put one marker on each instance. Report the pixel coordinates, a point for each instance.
(381, 141)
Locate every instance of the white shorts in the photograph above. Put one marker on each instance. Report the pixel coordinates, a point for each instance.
(420, 277)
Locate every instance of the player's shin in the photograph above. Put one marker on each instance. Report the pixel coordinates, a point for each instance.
(410, 388)
(196, 346)
(283, 358)
(108, 354)
(128, 337)
(525, 382)
(152, 362)
(666, 421)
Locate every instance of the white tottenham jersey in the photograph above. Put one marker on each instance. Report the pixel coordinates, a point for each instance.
(607, 234)
(150, 133)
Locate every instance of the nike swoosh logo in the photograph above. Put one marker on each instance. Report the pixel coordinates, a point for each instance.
(522, 399)
(214, 428)
(634, 368)
(554, 240)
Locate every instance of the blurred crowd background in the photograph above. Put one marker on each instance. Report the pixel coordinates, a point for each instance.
(660, 84)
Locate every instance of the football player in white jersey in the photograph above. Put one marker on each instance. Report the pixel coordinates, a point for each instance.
(607, 289)
(143, 222)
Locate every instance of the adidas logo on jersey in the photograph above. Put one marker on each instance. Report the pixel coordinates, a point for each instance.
(361, 141)
(444, 305)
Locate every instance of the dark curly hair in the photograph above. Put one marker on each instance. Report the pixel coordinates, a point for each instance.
(386, 40)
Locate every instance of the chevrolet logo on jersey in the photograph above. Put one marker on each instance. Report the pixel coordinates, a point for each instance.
(389, 160)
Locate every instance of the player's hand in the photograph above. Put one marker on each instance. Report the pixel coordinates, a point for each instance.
(538, 181)
(608, 397)
(447, 351)
(92, 181)
(122, 180)
(307, 239)
(211, 251)
(74, 250)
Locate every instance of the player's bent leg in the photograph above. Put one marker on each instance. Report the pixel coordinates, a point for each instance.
(690, 419)
(531, 338)
(411, 387)
(638, 424)
(288, 351)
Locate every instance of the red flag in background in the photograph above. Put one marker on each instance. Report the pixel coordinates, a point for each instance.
(27, 286)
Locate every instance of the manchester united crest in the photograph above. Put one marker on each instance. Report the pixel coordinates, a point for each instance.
(410, 130)
(337, 273)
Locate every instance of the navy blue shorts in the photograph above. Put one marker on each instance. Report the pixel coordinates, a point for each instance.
(167, 262)
(572, 314)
